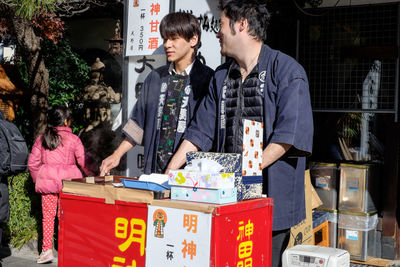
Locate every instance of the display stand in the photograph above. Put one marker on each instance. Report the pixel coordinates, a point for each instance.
(93, 233)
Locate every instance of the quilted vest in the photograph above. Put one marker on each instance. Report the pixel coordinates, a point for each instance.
(244, 100)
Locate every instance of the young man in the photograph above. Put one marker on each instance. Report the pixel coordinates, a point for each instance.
(169, 97)
(265, 85)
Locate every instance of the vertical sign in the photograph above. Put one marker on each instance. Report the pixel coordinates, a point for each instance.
(131, 232)
(177, 237)
(144, 17)
(244, 244)
(209, 17)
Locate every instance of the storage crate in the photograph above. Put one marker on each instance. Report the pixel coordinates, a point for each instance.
(356, 234)
(332, 217)
(324, 177)
(358, 188)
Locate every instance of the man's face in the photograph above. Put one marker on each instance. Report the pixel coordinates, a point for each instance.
(178, 49)
(226, 37)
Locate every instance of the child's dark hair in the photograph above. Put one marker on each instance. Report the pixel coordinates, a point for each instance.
(56, 117)
(181, 24)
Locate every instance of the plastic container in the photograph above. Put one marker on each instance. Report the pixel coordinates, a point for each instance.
(358, 188)
(324, 177)
(144, 185)
(357, 234)
(332, 217)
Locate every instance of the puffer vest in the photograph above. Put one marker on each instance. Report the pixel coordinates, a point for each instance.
(244, 100)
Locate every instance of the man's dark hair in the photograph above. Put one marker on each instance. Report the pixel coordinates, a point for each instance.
(254, 11)
(181, 24)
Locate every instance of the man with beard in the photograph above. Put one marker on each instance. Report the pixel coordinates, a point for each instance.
(265, 85)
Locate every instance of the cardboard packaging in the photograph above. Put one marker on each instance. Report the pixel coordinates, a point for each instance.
(252, 148)
(102, 187)
(302, 233)
(201, 179)
(248, 187)
(207, 195)
(231, 162)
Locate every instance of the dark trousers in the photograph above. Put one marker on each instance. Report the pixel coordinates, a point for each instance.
(280, 240)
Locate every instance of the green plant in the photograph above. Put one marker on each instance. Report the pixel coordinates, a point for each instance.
(25, 210)
(68, 75)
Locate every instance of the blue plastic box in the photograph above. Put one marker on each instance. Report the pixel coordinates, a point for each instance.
(144, 185)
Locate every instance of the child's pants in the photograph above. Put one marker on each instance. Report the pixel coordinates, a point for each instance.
(49, 210)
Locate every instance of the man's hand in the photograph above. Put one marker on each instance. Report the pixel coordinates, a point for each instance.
(179, 157)
(273, 152)
(113, 160)
(109, 163)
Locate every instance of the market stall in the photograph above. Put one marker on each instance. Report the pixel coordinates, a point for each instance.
(105, 231)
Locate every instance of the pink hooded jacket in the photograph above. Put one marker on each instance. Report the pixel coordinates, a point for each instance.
(49, 167)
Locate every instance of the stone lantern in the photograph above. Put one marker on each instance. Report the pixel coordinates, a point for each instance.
(115, 44)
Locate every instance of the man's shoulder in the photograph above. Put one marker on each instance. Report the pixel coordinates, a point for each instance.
(157, 73)
(160, 71)
(198, 66)
(284, 62)
(223, 68)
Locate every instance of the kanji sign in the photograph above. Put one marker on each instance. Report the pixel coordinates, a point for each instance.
(143, 32)
(208, 15)
(178, 237)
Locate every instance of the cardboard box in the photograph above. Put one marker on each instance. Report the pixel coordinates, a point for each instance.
(252, 148)
(201, 179)
(248, 187)
(207, 195)
(303, 232)
(101, 187)
(231, 162)
(315, 200)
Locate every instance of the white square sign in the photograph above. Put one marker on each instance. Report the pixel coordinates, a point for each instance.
(177, 237)
(143, 31)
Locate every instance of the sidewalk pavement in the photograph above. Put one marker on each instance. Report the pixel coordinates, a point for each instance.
(24, 257)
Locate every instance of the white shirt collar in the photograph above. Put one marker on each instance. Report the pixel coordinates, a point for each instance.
(186, 72)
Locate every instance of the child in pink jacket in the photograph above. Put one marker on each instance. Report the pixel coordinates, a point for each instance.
(54, 157)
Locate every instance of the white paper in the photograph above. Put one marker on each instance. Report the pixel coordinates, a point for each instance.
(177, 237)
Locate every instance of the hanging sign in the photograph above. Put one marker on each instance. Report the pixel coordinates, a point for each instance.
(143, 32)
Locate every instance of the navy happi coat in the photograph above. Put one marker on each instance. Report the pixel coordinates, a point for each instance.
(287, 118)
(143, 127)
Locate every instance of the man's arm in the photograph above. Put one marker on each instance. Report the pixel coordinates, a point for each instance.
(113, 160)
(179, 157)
(273, 152)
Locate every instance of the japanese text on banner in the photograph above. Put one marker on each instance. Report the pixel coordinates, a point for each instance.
(245, 244)
(144, 19)
(132, 232)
